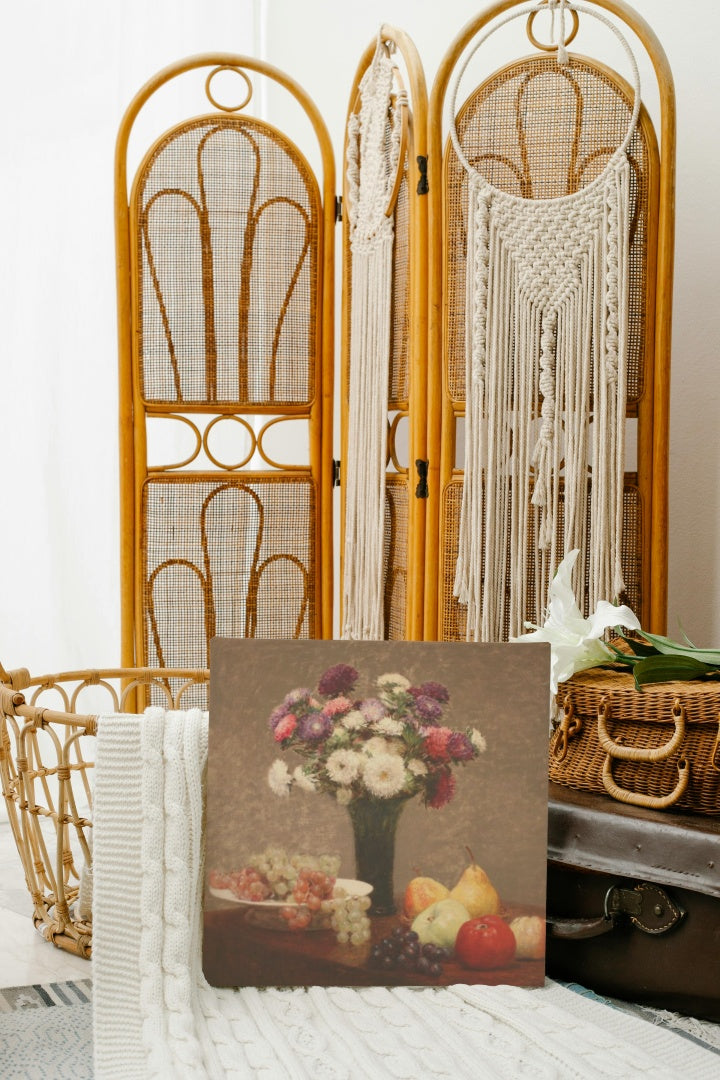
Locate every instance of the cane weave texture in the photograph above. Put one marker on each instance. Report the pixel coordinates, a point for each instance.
(396, 555)
(232, 557)
(453, 613)
(538, 130)
(226, 218)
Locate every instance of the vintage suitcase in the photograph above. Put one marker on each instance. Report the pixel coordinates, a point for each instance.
(634, 902)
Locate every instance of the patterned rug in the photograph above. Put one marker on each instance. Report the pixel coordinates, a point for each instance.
(46, 1029)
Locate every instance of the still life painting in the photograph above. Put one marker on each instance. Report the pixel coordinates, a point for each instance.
(376, 813)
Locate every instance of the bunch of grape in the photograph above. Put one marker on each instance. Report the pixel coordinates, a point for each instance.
(403, 952)
(348, 918)
(274, 875)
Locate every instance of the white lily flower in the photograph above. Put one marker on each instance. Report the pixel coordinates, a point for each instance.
(575, 641)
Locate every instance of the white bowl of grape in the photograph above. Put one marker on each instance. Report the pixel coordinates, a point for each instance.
(297, 892)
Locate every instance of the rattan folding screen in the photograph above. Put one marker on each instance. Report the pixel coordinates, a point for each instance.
(225, 249)
(225, 284)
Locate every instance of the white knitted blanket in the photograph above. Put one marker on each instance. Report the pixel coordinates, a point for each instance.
(155, 1015)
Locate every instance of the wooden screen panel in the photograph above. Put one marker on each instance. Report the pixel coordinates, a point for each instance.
(225, 285)
(538, 130)
(227, 232)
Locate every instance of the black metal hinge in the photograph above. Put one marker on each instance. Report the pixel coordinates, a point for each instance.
(336, 474)
(422, 187)
(421, 491)
(338, 208)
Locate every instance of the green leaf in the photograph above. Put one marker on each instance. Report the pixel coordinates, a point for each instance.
(672, 648)
(621, 657)
(687, 639)
(640, 648)
(655, 669)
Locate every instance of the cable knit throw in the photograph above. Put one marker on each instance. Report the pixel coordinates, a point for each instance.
(546, 318)
(156, 1017)
(372, 161)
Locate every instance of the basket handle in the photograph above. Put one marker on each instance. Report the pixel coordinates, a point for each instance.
(634, 753)
(569, 726)
(653, 802)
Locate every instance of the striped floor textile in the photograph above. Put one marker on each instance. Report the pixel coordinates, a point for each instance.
(17, 998)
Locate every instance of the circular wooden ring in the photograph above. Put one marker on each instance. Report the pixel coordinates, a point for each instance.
(551, 48)
(216, 461)
(238, 71)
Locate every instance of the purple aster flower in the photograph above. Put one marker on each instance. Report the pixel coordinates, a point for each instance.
(314, 727)
(436, 691)
(339, 679)
(295, 696)
(459, 747)
(373, 710)
(428, 709)
(277, 715)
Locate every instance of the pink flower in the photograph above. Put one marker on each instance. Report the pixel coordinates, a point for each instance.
(459, 747)
(336, 707)
(440, 789)
(436, 743)
(285, 728)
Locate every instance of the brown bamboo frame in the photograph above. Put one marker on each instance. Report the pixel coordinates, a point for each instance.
(133, 411)
(418, 320)
(653, 411)
(50, 868)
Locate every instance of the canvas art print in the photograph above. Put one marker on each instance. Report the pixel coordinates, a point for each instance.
(376, 813)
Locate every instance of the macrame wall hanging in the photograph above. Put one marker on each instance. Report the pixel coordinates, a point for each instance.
(375, 152)
(546, 339)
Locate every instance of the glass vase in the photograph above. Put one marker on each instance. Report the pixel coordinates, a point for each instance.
(374, 823)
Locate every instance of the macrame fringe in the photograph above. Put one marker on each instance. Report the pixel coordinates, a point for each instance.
(372, 161)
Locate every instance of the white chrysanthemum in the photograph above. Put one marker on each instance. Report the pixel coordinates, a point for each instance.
(388, 726)
(478, 741)
(384, 775)
(303, 781)
(417, 767)
(343, 766)
(380, 745)
(353, 720)
(393, 682)
(343, 795)
(279, 778)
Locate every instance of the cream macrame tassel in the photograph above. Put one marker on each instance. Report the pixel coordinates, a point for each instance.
(371, 166)
(546, 320)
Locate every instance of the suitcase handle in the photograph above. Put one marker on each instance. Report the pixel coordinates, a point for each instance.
(647, 906)
(635, 753)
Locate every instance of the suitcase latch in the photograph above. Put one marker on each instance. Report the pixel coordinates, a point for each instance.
(647, 906)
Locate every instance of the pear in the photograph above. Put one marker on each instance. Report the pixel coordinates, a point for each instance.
(420, 893)
(475, 891)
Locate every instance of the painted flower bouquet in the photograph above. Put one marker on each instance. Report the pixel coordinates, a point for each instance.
(372, 754)
(390, 745)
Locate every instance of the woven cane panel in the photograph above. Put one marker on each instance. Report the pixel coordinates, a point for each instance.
(234, 558)
(539, 131)
(226, 230)
(453, 622)
(396, 556)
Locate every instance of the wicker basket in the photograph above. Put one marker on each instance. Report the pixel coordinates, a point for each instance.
(658, 747)
(46, 754)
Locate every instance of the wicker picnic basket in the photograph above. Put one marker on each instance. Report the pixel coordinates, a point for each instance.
(46, 758)
(658, 747)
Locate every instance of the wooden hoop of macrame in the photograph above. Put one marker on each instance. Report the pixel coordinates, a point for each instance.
(374, 163)
(546, 321)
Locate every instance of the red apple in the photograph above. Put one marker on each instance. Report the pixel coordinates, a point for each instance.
(485, 942)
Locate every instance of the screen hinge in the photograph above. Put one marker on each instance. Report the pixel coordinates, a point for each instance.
(335, 473)
(338, 208)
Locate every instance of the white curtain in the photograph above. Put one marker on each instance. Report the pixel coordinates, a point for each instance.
(68, 71)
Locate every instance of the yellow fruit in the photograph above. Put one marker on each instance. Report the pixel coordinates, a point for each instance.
(529, 931)
(475, 891)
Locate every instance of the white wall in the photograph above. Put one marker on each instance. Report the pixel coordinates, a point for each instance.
(67, 73)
